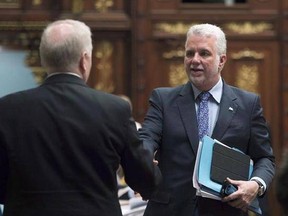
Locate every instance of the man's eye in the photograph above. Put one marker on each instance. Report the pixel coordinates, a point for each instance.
(205, 53)
(189, 54)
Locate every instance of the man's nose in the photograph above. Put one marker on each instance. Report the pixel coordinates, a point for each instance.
(196, 58)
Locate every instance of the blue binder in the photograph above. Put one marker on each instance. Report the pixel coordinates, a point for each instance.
(204, 170)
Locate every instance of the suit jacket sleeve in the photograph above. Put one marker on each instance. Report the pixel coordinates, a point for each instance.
(260, 148)
(140, 172)
(3, 171)
(151, 131)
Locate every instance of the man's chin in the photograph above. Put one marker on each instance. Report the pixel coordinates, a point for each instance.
(197, 80)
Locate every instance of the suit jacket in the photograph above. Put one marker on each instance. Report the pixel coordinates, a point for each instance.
(170, 127)
(60, 147)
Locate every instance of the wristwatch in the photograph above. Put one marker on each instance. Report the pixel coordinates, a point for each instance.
(261, 187)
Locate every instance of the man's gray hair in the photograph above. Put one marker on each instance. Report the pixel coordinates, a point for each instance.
(62, 49)
(209, 30)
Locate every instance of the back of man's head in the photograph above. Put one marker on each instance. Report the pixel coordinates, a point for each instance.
(62, 44)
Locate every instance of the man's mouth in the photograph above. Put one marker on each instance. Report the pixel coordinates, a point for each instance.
(196, 70)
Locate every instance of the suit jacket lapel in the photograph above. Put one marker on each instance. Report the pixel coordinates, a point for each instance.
(228, 108)
(187, 111)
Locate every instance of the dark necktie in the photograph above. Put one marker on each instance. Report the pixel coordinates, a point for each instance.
(203, 114)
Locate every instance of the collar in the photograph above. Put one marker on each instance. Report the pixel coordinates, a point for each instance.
(216, 91)
(69, 73)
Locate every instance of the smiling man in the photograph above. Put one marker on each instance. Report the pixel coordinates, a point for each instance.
(178, 117)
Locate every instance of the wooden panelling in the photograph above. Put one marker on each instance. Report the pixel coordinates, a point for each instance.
(284, 67)
(22, 22)
(249, 66)
(110, 71)
(100, 6)
(285, 5)
(263, 4)
(139, 44)
(164, 5)
(285, 26)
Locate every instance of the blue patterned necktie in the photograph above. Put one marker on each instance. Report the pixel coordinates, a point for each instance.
(203, 114)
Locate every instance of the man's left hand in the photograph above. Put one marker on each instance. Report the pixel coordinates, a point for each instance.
(246, 193)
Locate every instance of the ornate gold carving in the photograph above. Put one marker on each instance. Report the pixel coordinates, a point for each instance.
(247, 53)
(248, 27)
(103, 56)
(176, 28)
(37, 2)
(77, 6)
(39, 74)
(25, 25)
(9, 4)
(33, 62)
(248, 78)
(103, 5)
(179, 53)
(27, 37)
(177, 75)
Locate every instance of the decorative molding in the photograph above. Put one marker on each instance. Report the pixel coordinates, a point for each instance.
(22, 40)
(9, 3)
(27, 37)
(173, 28)
(247, 53)
(248, 78)
(77, 6)
(248, 27)
(103, 55)
(39, 74)
(178, 53)
(103, 5)
(177, 75)
(239, 28)
(33, 62)
(37, 2)
(22, 25)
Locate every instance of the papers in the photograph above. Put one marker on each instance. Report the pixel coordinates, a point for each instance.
(199, 182)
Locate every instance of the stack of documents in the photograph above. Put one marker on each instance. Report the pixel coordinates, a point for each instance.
(215, 162)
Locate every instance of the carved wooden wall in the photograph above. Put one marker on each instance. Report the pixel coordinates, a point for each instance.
(284, 67)
(139, 45)
(22, 22)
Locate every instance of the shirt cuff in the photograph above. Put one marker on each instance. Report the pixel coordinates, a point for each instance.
(260, 180)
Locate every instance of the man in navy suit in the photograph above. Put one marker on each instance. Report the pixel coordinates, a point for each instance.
(62, 142)
(170, 129)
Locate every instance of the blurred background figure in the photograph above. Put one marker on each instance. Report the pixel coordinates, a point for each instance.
(131, 202)
(126, 98)
(282, 183)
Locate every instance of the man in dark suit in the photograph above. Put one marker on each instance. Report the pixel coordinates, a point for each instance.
(62, 142)
(235, 118)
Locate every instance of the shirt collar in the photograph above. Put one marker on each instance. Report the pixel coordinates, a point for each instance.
(70, 73)
(216, 91)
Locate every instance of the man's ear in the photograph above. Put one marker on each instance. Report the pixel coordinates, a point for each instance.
(83, 63)
(84, 66)
(222, 61)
